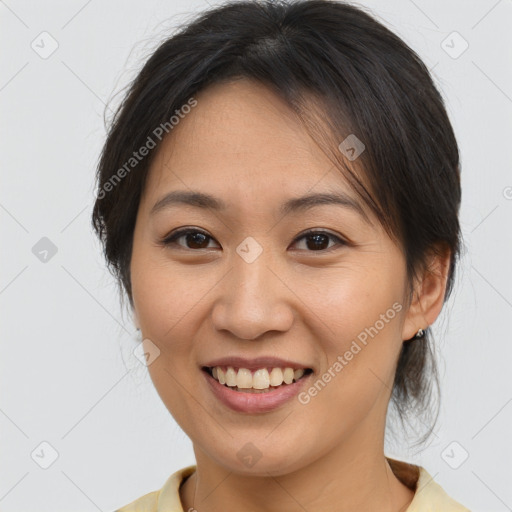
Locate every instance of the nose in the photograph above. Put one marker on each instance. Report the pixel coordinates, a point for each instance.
(253, 299)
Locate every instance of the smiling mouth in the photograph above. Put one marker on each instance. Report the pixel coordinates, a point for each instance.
(263, 380)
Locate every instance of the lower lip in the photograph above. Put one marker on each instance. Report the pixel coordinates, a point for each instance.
(254, 402)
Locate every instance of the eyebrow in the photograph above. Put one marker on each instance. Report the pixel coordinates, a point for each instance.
(296, 204)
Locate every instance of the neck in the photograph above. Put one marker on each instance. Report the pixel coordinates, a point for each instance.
(348, 478)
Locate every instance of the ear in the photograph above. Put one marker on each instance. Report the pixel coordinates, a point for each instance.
(135, 319)
(428, 294)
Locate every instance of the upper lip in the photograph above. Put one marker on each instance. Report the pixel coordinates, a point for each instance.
(255, 363)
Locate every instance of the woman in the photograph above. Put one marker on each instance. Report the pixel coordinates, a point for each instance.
(278, 197)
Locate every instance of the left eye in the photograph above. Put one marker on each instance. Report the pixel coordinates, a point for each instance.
(195, 239)
(316, 240)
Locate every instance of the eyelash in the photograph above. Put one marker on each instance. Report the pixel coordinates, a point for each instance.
(170, 240)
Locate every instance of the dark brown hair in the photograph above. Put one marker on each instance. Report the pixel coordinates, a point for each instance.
(342, 72)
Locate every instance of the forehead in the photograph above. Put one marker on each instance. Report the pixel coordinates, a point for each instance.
(242, 139)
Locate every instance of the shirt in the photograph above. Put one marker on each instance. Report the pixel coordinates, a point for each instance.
(428, 497)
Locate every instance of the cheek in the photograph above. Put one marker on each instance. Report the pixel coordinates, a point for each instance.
(350, 302)
(358, 326)
(166, 296)
(167, 302)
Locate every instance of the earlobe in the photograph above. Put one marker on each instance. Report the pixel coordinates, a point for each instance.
(136, 320)
(428, 296)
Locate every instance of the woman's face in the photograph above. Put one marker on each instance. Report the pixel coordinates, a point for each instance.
(249, 284)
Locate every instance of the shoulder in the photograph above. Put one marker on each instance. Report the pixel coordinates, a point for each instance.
(146, 503)
(431, 497)
(167, 498)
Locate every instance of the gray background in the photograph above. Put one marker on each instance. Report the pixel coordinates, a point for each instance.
(68, 375)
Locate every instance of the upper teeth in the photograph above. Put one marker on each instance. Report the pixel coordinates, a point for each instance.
(261, 379)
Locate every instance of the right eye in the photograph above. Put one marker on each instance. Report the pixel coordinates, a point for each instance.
(194, 239)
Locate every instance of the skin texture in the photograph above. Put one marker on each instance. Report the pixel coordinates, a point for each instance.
(243, 145)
